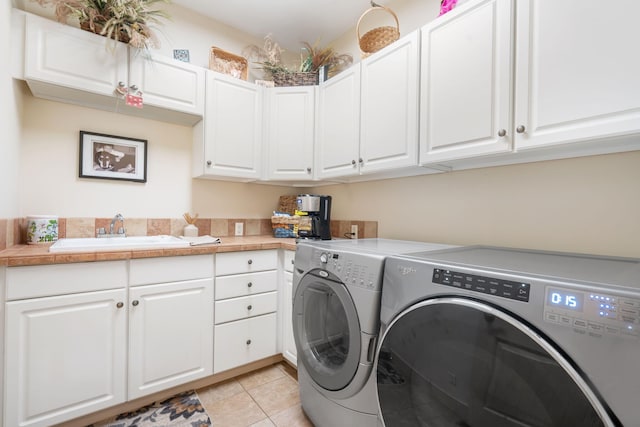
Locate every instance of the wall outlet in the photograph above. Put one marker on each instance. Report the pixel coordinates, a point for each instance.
(354, 231)
(239, 228)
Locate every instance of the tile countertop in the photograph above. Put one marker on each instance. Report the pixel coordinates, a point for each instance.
(20, 255)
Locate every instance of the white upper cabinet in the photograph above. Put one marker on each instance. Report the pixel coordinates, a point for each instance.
(66, 64)
(227, 142)
(65, 56)
(578, 72)
(466, 82)
(570, 88)
(338, 132)
(289, 129)
(389, 107)
(167, 83)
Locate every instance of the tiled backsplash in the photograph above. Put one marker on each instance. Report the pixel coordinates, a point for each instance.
(13, 231)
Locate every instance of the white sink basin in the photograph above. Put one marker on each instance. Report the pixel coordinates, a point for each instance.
(91, 244)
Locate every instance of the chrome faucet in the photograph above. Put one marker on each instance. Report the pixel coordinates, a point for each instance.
(121, 230)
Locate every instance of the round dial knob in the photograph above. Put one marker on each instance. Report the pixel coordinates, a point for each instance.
(324, 258)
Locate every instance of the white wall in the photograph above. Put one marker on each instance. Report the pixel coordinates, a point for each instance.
(588, 205)
(10, 108)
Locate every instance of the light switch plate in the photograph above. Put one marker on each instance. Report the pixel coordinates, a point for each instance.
(239, 228)
(354, 231)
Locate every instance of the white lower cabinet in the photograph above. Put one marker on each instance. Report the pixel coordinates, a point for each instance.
(170, 335)
(246, 304)
(288, 342)
(66, 334)
(65, 354)
(244, 341)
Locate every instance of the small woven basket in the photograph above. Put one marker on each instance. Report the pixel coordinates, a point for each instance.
(287, 204)
(295, 79)
(374, 40)
(227, 63)
(285, 226)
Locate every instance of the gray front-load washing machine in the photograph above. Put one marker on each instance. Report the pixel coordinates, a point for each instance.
(483, 336)
(336, 316)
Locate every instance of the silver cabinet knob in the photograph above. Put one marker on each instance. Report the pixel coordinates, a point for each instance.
(120, 304)
(135, 302)
(353, 162)
(250, 262)
(308, 170)
(209, 162)
(520, 129)
(133, 88)
(502, 132)
(360, 160)
(248, 342)
(249, 285)
(249, 307)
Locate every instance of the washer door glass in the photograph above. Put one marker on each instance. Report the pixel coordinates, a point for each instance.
(460, 363)
(326, 331)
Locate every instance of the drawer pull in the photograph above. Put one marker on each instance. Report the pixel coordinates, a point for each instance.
(249, 285)
(249, 307)
(120, 305)
(135, 302)
(248, 342)
(250, 262)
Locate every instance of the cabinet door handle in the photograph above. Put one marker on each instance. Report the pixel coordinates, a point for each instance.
(502, 133)
(520, 129)
(249, 285)
(248, 342)
(249, 307)
(360, 160)
(120, 304)
(308, 170)
(250, 262)
(135, 302)
(353, 162)
(208, 162)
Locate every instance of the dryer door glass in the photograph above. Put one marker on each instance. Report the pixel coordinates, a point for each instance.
(455, 362)
(326, 331)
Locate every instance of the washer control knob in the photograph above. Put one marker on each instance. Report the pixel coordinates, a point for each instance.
(324, 258)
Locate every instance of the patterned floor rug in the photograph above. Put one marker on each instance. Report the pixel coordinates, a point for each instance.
(181, 410)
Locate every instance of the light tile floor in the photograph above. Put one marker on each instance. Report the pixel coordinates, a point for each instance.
(267, 397)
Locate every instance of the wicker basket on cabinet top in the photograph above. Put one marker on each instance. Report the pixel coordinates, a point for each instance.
(227, 63)
(377, 38)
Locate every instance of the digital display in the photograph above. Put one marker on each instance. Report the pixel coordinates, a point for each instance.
(565, 299)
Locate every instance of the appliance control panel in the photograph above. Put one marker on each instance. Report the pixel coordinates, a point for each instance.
(594, 312)
(361, 271)
(487, 285)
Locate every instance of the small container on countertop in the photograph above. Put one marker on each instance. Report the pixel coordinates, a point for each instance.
(42, 229)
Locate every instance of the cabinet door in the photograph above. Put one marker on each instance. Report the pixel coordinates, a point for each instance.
(577, 71)
(338, 143)
(389, 107)
(288, 342)
(67, 358)
(290, 130)
(228, 141)
(244, 341)
(168, 83)
(466, 79)
(57, 54)
(170, 335)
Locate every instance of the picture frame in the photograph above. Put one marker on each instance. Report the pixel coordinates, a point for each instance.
(105, 156)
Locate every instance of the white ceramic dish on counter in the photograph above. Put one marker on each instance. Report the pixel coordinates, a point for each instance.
(92, 244)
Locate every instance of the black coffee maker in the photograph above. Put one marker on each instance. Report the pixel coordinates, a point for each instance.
(315, 217)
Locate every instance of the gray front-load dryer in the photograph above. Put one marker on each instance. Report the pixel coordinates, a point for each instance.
(483, 336)
(336, 317)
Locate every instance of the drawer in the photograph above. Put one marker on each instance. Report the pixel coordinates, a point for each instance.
(243, 307)
(144, 271)
(289, 258)
(239, 285)
(246, 262)
(61, 279)
(244, 341)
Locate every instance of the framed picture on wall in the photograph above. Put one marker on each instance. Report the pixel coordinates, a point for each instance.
(112, 157)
